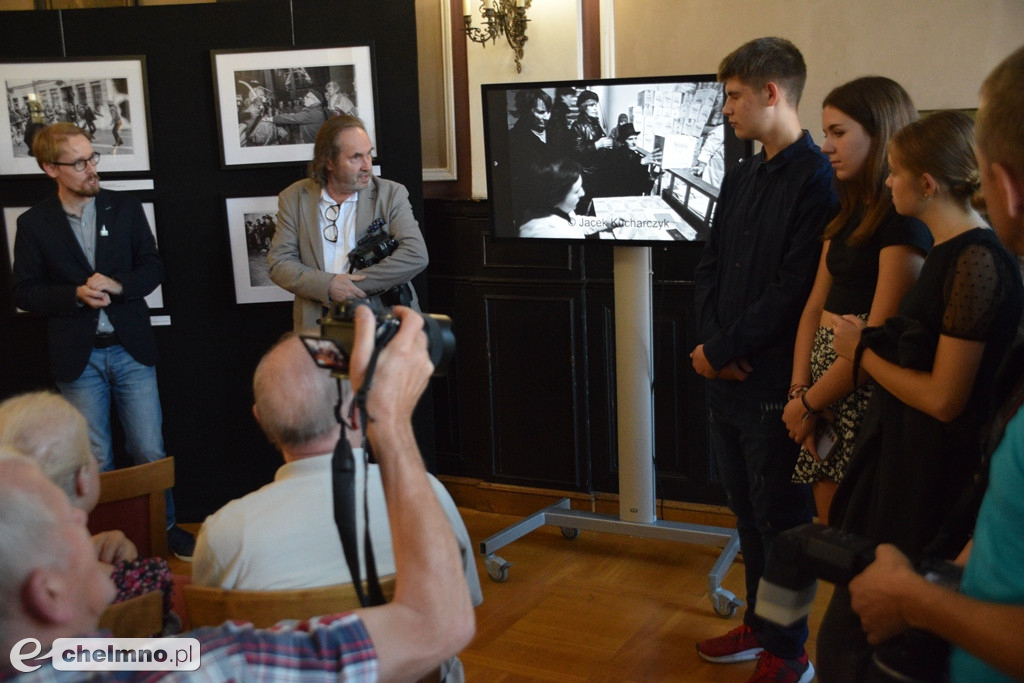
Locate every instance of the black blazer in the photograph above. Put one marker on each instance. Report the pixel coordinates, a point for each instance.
(49, 265)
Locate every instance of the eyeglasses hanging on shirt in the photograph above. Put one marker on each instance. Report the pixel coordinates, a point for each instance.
(331, 214)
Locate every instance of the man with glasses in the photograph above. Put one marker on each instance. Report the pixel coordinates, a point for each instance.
(85, 258)
(321, 219)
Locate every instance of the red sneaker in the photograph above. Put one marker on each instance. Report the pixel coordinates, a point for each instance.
(738, 645)
(771, 669)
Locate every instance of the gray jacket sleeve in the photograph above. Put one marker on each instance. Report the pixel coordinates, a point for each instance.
(292, 256)
(410, 258)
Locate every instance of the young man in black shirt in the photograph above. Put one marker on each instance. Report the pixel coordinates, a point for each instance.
(753, 277)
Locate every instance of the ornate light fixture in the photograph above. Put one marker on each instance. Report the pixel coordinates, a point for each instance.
(501, 17)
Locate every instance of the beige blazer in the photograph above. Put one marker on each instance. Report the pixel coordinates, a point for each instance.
(296, 254)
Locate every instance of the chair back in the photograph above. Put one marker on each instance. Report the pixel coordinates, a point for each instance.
(132, 499)
(213, 606)
(138, 617)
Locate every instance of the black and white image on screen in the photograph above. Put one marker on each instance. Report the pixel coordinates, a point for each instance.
(650, 157)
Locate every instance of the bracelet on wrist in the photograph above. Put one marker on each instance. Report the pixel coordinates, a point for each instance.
(796, 390)
(811, 412)
(858, 355)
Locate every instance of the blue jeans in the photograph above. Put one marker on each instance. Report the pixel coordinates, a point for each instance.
(112, 373)
(755, 459)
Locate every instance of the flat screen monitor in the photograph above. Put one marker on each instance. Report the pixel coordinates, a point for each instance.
(630, 160)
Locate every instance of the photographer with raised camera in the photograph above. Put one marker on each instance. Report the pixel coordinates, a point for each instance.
(250, 544)
(57, 589)
(343, 233)
(984, 621)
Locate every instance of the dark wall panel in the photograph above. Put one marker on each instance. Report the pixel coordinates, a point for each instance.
(534, 347)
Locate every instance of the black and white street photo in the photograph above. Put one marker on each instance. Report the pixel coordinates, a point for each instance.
(251, 224)
(259, 230)
(286, 106)
(271, 104)
(105, 98)
(100, 107)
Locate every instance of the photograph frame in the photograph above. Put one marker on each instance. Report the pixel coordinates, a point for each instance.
(248, 290)
(155, 299)
(103, 85)
(245, 81)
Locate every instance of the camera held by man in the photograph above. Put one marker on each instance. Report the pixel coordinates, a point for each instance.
(804, 554)
(333, 348)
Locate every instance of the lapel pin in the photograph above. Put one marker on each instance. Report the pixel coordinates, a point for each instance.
(103, 231)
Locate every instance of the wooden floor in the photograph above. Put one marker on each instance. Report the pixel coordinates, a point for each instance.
(602, 607)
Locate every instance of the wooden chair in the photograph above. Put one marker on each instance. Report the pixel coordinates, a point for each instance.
(213, 606)
(138, 617)
(132, 499)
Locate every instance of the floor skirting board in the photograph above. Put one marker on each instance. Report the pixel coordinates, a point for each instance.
(507, 499)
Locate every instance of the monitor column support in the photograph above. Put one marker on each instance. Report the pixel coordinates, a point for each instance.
(634, 360)
(634, 382)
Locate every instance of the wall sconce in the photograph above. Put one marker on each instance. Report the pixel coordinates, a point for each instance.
(501, 17)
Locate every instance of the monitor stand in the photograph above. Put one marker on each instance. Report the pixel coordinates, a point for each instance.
(634, 362)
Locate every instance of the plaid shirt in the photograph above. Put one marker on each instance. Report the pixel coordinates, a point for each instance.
(336, 648)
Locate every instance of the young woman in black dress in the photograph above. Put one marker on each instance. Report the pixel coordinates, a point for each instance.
(871, 257)
(934, 366)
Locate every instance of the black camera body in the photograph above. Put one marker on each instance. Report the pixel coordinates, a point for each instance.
(373, 247)
(333, 348)
(802, 555)
(798, 558)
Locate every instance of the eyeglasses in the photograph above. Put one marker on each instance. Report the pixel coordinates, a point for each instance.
(80, 164)
(331, 214)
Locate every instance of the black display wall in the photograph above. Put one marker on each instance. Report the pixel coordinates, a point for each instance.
(210, 348)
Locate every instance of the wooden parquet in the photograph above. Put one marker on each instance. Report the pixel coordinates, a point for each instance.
(603, 607)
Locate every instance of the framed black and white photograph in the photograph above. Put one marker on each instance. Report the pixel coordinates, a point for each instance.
(251, 225)
(106, 97)
(270, 104)
(155, 299)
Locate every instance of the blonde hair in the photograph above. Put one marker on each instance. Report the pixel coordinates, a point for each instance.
(48, 143)
(941, 145)
(46, 428)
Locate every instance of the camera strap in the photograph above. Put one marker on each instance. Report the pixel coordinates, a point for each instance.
(343, 471)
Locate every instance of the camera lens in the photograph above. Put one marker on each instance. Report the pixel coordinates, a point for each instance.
(440, 341)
